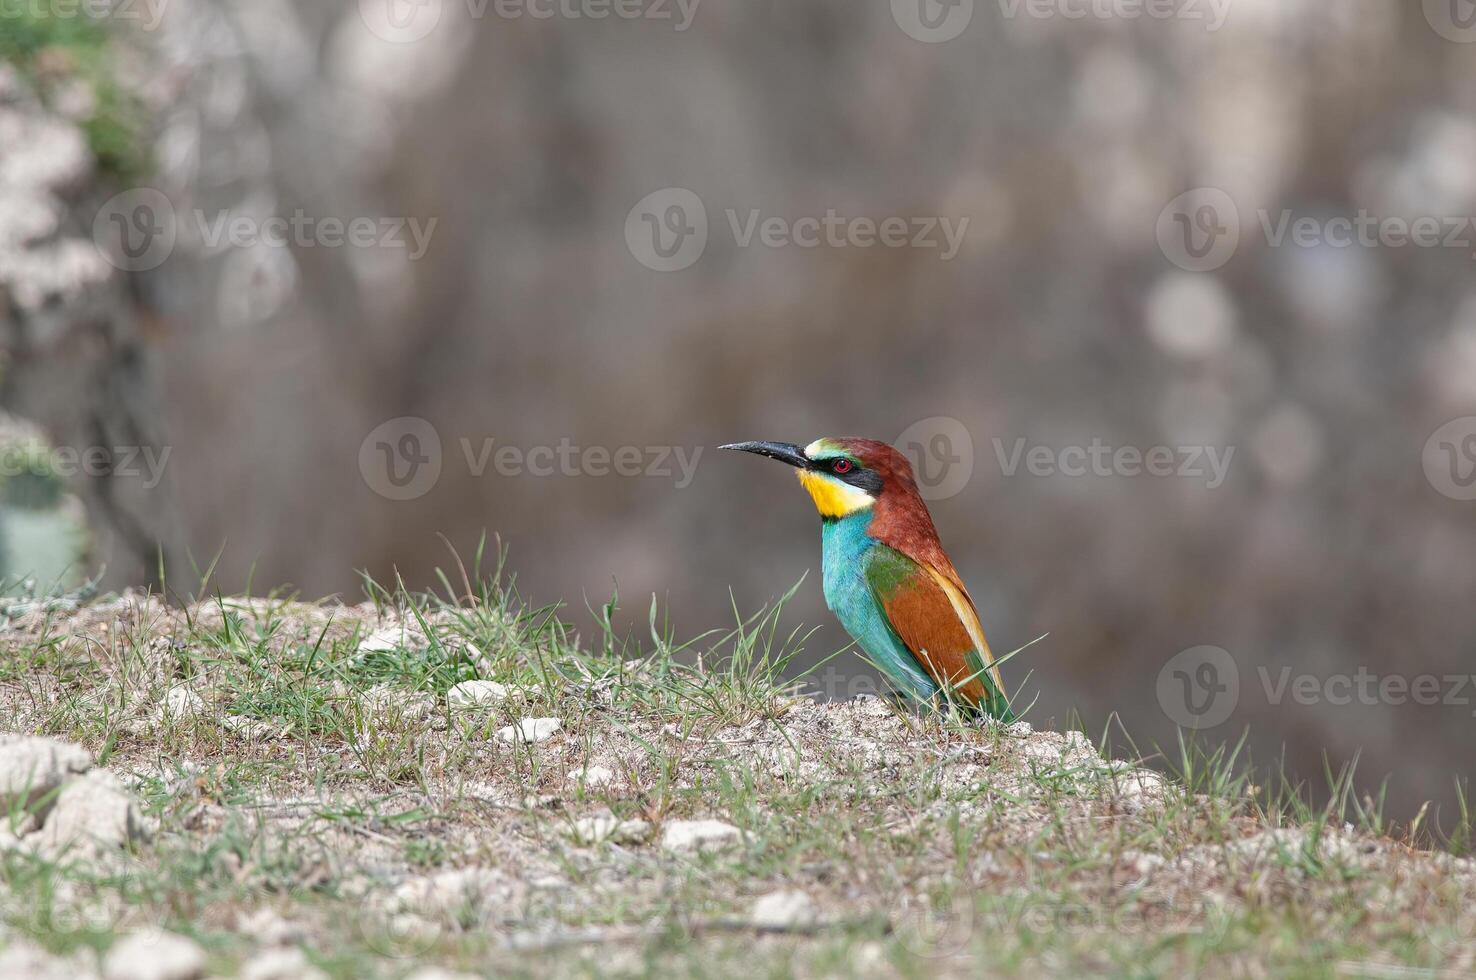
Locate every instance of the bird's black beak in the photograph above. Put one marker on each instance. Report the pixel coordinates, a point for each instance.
(784, 452)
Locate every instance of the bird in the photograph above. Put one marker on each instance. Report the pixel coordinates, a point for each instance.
(886, 576)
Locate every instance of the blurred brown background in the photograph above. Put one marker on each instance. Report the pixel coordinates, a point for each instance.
(1070, 314)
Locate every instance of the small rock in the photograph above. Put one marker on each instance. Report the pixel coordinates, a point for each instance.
(400, 636)
(595, 776)
(31, 962)
(870, 704)
(684, 835)
(270, 929)
(786, 909)
(530, 730)
(1142, 863)
(33, 768)
(93, 810)
(1140, 789)
(180, 703)
(449, 893)
(605, 827)
(1077, 741)
(477, 694)
(154, 956)
(281, 964)
(1020, 729)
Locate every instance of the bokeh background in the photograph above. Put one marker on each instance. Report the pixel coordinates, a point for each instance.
(1119, 170)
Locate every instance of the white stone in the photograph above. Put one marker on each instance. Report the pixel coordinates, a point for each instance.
(154, 956)
(269, 928)
(477, 694)
(32, 768)
(1140, 789)
(450, 892)
(685, 835)
(288, 963)
(27, 961)
(604, 827)
(595, 776)
(180, 703)
(397, 637)
(530, 730)
(91, 810)
(786, 909)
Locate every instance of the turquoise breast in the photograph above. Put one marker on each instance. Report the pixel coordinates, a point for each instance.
(845, 549)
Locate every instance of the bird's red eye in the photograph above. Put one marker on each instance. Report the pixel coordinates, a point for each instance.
(841, 466)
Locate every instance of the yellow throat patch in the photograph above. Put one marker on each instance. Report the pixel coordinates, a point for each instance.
(834, 498)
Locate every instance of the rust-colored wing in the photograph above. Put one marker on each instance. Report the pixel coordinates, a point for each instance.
(935, 619)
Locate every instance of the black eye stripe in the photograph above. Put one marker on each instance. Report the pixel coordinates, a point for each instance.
(857, 475)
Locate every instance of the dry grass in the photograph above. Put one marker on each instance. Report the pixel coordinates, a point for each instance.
(323, 792)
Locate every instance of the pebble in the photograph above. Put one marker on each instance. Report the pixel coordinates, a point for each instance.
(477, 694)
(530, 730)
(785, 909)
(180, 703)
(605, 827)
(92, 810)
(685, 835)
(33, 768)
(288, 963)
(595, 776)
(154, 956)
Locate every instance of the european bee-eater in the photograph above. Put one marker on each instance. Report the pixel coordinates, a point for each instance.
(886, 576)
